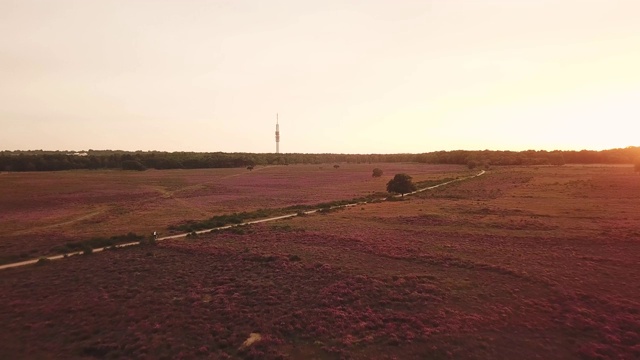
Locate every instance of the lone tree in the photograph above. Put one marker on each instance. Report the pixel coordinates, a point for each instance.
(377, 172)
(336, 166)
(401, 184)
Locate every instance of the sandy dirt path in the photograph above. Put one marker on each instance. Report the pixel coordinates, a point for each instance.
(184, 235)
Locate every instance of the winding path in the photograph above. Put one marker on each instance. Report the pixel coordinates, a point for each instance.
(178, 236)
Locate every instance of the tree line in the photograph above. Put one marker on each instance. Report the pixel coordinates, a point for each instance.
(39, 160)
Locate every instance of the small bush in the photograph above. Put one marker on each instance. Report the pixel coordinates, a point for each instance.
(43, 261)
(401, 184)
(393, 198)
(283, 227)
(238, 230)
(262, 258)
(294, 258)
(326, 210)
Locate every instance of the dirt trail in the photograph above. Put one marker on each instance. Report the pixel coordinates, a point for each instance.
(202, 184)
(184, 235)
(173, 195)
(64, 223)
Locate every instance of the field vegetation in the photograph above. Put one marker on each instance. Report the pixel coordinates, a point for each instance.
(522, 262)
(47, 212)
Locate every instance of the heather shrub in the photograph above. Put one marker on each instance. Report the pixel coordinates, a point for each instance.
(238, 230)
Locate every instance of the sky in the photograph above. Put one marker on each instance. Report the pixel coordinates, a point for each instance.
(344, 76)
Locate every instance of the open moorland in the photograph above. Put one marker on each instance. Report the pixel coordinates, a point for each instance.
(520, 263)
(40, 211)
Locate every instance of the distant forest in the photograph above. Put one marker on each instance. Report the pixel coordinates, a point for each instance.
(39, 160)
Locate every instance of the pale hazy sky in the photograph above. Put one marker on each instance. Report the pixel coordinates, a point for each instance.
(345, 76)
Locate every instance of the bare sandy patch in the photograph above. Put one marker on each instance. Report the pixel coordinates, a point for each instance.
(253, 338)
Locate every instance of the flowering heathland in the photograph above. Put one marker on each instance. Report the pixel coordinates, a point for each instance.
(44, 210)
(523, 263)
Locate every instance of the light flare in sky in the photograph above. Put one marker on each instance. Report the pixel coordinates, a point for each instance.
(345, 76)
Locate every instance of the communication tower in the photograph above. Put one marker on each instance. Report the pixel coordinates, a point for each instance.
(277, 136)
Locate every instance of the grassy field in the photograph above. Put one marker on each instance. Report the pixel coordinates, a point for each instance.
(527, 263)
(42, 210)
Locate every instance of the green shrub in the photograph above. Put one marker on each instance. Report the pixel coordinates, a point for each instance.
(62, 249)
(294, 258)
(401, 184)
(238, 230)
(282, 227)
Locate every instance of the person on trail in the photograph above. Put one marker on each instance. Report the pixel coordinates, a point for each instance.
(155, 235)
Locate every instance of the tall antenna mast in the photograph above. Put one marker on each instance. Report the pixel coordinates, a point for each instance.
(277, 135)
